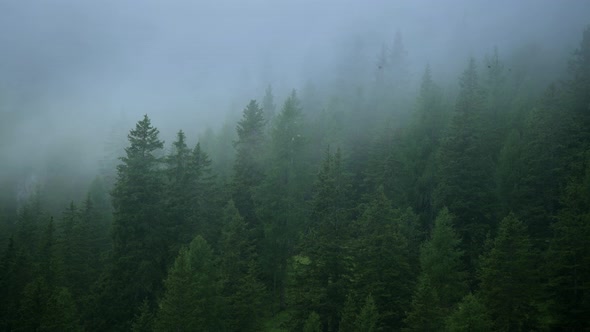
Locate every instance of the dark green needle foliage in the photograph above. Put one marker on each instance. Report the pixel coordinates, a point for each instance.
(470, 316)
(192, 297)
(509, 278)
(375, 202)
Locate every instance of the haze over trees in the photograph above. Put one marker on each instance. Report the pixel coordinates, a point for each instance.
(383, 192)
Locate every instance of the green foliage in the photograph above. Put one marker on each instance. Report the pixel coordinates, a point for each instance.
(465, 186)
(381, 260)
(441, 260)
(471, 315)
(326, 245)
(368, 318)
(313, 323)
(348, 315)
(192, 300)
(140, 242)
(344, 240)
(424, 314)
(243, 293)
(569, 257)
(249, 169)
(144, 320)
(60, 313)
(509, 278)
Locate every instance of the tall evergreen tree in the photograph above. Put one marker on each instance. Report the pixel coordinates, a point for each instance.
(465, 186)
(424, 314)
(192, 300)
(140, 246)
(244, 294)
(441, 260)
(325, 242)
(382, 261)
(509, 279)
(470, 316)
(368, 317)
(282, 196)
(569, 257)
(249, 169)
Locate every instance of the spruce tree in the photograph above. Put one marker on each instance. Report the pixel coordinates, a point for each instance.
(381, 258)
(368, 318)
(243, 293)
(249, 168)
(140, 243)
(282, 196)
(470, 316)
(465, 186)
(509, 278)
(424, 313)
(441, 260)
(313, 323)
(191, 301)
(569, 257)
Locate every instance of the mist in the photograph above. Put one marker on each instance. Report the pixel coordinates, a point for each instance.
(71, 71)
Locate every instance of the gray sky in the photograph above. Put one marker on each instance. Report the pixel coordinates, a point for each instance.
(69, 68)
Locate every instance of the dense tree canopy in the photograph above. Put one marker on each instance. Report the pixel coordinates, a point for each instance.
(366, 206)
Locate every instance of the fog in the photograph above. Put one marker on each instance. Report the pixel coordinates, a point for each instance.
(71, 71)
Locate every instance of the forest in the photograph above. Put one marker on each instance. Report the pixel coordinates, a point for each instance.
(452, 204)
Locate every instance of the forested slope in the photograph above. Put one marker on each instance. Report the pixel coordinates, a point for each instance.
(459, 207)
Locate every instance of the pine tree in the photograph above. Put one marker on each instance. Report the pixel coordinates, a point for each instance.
(243, 292)
(348, 315)
(282, 196)
(424, 138)
(191, 301)
(441, 261)
(140, 243)
(470, 316)
(509, 280)
(144, 319)
(465, 186)
(382, 261)
(60, 313)
(325, 243)
(206, 202)
(15, 273)
(368, 317)
(179, 192)
(313, 323)
(424, 314)
(33, 305)
(249, 169)
(569, 257)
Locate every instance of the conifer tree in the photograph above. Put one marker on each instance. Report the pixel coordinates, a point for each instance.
(382, 261)
(348, 315)
(509, 280)
(191, 301)
(326, 243)
(243, 292)
(140, 243)
(424, 314)
(281, 196)
(569, 257)
(470, 316)
(441, 260)
(249, 169)
(465, 186)
(313, 323)
(368, 317)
